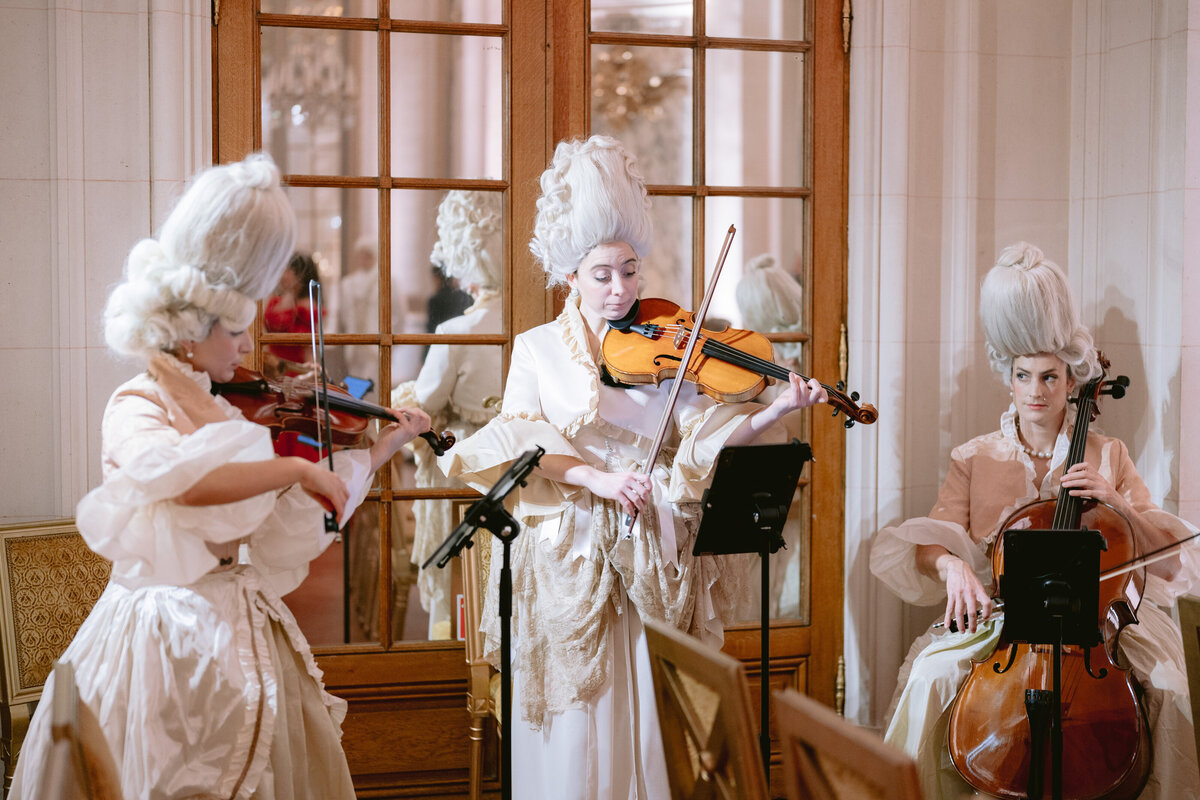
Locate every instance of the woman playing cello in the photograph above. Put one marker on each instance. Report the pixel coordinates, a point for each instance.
(1036, 343)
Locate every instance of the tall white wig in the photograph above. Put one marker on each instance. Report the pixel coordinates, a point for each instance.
(223, 246)
(470, 245)
(771, 300)
(1027, 308)
(592, 194)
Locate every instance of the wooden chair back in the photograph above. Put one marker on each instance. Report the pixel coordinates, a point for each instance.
(49, 581)
(80, 765)
(827, 757)
(707, 720)
(1189, 624)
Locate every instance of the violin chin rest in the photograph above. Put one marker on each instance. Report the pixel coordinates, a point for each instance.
(624, 322)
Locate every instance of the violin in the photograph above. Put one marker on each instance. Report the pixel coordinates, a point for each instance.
(289, 406)
(1000, 724)
(732, 365)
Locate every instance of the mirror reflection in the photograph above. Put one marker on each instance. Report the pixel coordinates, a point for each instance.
(416, 259)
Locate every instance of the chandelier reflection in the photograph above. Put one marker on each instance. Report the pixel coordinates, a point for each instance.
(310, 83)
(627, 87)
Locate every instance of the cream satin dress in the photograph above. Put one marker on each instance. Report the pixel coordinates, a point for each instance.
(584, 721)
(203, 684)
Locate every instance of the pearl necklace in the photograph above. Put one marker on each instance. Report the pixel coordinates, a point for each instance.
(1029, 451)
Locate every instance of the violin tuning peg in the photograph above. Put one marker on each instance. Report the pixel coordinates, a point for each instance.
(848, 424)
(835, 412)
(841, 386)
(854, 396)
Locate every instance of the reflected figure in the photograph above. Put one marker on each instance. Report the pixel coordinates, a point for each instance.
(358, 307)
(447, 302)
(458, 384)
(771, 300)
(287, 310)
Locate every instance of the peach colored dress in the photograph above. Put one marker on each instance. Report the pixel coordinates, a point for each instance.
(990, 477)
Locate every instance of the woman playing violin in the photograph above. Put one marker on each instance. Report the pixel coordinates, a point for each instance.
(202, 682)
(1036, 343)
(585, 724)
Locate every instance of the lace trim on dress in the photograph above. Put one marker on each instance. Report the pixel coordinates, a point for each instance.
(574, 335)
(1008, 429)
(485, 297)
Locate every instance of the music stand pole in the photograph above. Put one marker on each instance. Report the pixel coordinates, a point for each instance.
(489, 512)
(505, 672)
(752, 489)
(764, 730)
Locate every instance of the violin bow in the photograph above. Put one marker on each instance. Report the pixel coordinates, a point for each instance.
(680, 379)
(321, 387)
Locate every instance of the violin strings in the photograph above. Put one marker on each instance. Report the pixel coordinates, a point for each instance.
(735, 356)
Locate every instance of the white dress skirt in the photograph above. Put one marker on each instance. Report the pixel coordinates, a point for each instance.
(609, 748)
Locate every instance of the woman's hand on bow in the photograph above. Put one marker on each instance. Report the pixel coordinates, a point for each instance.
(967, 601)
(323, 485)
(630, 489)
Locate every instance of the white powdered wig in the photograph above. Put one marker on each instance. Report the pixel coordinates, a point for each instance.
(592, 194)
(224, 246)
(1027, 308)
(470, 245)
(771, 301)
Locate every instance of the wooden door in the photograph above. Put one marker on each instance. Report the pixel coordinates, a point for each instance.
(376, 109)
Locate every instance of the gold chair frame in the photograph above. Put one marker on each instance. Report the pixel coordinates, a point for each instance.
(482, 700)
(704, 710)
(828, 757)
(49, 581)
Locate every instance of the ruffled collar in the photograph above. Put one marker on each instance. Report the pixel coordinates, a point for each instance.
(573, 329)
(190, 389)
(1008, 428)
(168, 360)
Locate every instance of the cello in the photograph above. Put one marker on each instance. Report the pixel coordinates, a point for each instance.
(999, 730)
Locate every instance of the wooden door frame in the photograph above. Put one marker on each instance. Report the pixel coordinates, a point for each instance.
(411, 696)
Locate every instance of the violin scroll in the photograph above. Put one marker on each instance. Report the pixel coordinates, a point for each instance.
(439, 443)
(848, 404)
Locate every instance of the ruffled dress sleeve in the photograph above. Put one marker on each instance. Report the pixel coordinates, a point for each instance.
(132, 518)
(894, 549)
(484, 457)
(1159, 589)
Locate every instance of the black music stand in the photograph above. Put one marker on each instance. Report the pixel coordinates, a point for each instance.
(489, 512)
(744, 512)
(1051, 591)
